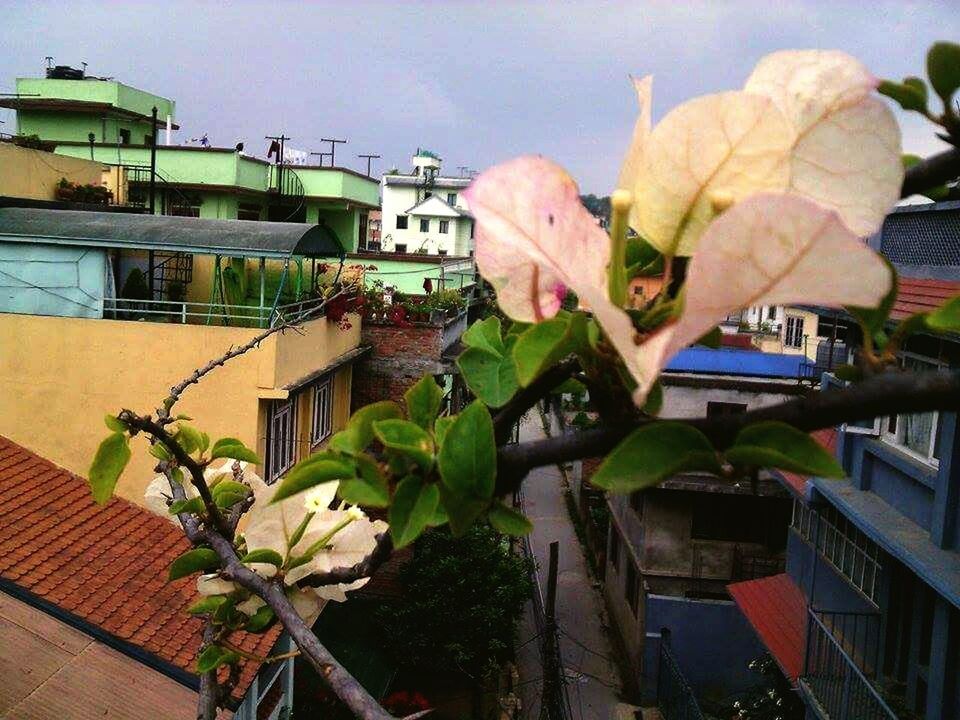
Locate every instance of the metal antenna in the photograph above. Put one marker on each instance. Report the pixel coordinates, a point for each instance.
(463, 169)
(333, 147)
(49, 60)
(322, 155)
(369, 158)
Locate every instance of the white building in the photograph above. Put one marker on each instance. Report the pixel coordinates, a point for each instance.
(424, 212)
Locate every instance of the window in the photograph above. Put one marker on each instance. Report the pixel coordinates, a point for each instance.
(451, 198)
(614, 548)
(248, 211)
(124, 137)
(772, 312)
(636, 502)
(793, 337)
(715, 409)
(322, 415)
(401, 222)
(427, 194)
(444, 226)
(424, 224)
(281, 438)
(740, 518)
(185, 211)
(632, 588)
(441, 252)
(918, 433)
(148, 140)
(400, 247)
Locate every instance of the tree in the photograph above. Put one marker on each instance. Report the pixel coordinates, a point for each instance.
(725, 186)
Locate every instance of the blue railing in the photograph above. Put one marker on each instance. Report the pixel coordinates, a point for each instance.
(675, 699)
(842, 660)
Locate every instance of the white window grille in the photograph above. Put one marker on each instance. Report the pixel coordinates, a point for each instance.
(917, 434)
(281, 438)
(793, 337)
(322, 414)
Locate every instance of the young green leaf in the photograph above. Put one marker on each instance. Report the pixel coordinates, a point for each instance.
(111, 458)
(227, 493)
(114, 424)
(206, 605)
(461, 511)
(423, 401)
(359, 431)
(407, 439)
(313, 470)
(491, 376)
(192, 561)
(907, 96)
(776, 444)
(414, 504)
(369, 489)
(189, 438)
(485, 335)
(945, 318)
(233, 449)
(263, 555)
(541, 346)
(213, 656)
(508, 521)
(192, 505)
(159, 451)
(441, 426)
(468, 457)
(653, 453)
(943, 69)
(261, 620)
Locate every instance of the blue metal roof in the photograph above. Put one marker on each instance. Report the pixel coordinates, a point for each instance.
(749, 363)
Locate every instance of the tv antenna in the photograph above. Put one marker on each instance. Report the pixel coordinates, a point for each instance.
(333, 148)
(463, 169)
(369, 159)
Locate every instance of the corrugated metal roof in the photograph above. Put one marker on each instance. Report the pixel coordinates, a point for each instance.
(923, 235)
(777, 610)
(729, 361)
(238, 238)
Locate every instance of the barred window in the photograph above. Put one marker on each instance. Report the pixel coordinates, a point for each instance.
(322, 415)
(281, 438)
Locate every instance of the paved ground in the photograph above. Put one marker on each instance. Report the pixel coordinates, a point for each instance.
(593, 680)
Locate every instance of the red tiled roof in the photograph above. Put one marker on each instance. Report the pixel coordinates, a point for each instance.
(916, 295)
(106, 566)
(828, 439)
(744, 341)
(777, 611)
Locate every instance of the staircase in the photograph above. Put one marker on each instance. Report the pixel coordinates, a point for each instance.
(174, 201)
(168, 268)
(287, 195)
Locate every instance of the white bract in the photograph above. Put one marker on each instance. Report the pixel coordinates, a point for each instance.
(158, 493)
(768, 188)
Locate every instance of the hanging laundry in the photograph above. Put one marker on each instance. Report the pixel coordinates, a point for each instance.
(274, 149)
(427, 285)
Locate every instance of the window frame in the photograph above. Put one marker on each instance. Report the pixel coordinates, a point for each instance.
(424, 225)
(797, 321)
(631, 587)
(893, 427)
(402, 222)
(452, 199)
(444, 227)
(400, 248)
(279, 461)
(321, 428)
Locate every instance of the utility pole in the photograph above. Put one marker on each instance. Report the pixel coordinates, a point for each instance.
(153, 159)
(550, 705)
(321, 155)
(369, 158)
(333, 148)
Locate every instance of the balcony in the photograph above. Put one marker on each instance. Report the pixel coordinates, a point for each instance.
(841, 666)
(196, 313)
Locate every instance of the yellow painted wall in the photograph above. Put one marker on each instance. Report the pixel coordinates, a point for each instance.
(776, 344)
(28, 173)
(59, 376)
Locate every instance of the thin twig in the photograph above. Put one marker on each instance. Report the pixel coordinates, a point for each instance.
(931, 172)
(363, 569)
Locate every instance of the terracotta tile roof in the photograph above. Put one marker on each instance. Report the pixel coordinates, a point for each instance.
(104, 567)
(919, 295)
(777, 610)
(797, 482)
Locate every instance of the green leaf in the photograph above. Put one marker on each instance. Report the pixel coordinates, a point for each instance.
(113, 423)
(111, 458)
(848, 373)
(909, 97)
(196, 560)
(945, 318)
(406, 438)
(711, 339)
(654, 402)
(541, 346)
(370, 489)
(177, 475)
(517, 328)
(485, 335)
(159, 451)
(227, 493)
(873, 319)
(207, 604)
(776, 444)
(192, 505)
(653, 453)
(943, 69)
(204, 442)
(359, 431)
(181, 416)
(189, 438)
(233, 449)
(461, 511)
(423, 401)
(468, 457)
(263, 555)
(441, 426)
(297, 535)
(213, 656)
(313, 470)
(414, 504)
(492, 377)
(261, 620)
(640, 253)
(508, 521)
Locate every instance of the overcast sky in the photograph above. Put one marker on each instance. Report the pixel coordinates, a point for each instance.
(475, 82)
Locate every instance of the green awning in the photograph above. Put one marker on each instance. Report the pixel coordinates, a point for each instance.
(198, 236)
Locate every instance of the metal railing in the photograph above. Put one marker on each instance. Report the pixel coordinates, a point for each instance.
(751, 565)
(675, 699)
(194, 313)
(842, 656)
